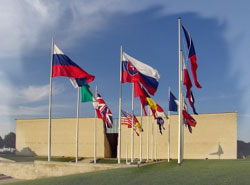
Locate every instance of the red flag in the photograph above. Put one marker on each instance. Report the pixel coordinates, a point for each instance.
(188, 118)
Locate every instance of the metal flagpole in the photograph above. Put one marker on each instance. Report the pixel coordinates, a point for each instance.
(127, 145)
(95, 130)
(180, 92)
(156, 137)
(148, 135)
(120, 109)
(132, 130)
(141, 138)
(168, 126)
(77, 121)
(50, 102)
(152, 141)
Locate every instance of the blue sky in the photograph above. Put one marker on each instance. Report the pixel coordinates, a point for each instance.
(91, 32)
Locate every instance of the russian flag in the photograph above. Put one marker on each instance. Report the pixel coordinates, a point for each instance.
(136, 71)
(63, 66)
(192, 56)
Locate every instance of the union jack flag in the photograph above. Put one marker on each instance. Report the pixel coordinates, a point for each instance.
(104, 111)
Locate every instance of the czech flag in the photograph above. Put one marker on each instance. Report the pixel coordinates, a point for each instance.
(191, 56)
(136, 71)
(63, 66)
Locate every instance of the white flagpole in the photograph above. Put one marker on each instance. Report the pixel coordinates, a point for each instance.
(77, 121)
(127, 145)
(180, 92)
(152, 141)
(50, 101)
(156, 137)
(95, 130)
(120, 109)
(141, 138)
(132, 130)
(168, 126)
(148, 135)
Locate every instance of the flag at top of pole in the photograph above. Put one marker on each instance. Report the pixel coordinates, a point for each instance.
(173, 103)
(62, 65)
(136, 71)
(191, 55)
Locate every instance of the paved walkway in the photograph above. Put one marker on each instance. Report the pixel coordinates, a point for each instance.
(7, 179)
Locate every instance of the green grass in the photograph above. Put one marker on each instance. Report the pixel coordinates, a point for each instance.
(30, 159)
(193, 172)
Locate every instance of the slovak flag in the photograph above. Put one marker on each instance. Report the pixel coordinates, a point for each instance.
(136, 71)
(62, 65)
(191, 56)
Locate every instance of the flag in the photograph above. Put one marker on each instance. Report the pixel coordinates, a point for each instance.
(86, 94)
(136, 71)
(160, 123)
(105, 112)
(173, 105)
(188, 84)
(126, 119)
(187, 81)
(188, 119)
(141, 92)
(137, 124)
(191, 56)
(160, 112)
(63, 66)
(78, 82)
(152, 105)
(191, 102)
(160, 117)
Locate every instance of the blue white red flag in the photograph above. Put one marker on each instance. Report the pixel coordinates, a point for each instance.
(63, 66)
(192, 56)
(104, 111)
(136, 71)
(173, 103)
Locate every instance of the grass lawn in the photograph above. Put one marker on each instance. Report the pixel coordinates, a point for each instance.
(195, 172)
(30, 159)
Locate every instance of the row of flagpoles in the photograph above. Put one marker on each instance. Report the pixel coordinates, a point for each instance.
(144, 81)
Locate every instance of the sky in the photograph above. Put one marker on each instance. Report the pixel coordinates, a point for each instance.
(91, 33)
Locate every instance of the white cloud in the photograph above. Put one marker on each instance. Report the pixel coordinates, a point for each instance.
(36, 93)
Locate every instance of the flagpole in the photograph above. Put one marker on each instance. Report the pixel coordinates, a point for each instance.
(156, 137)
(95, 130)
(127, 146)
(180, 92)
(50, 101)
(168, 126)
(77, 121)
(141, 138)
(148, 136)
(152, 141)
(120, 108)
(132, 130)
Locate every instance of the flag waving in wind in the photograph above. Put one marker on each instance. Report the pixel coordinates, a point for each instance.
(188, 84)
(192, 56)
(173, 103)
(136, 71)
(63, 66)
(104, 111)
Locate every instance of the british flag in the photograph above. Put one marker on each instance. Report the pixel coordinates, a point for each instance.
(105, 112)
